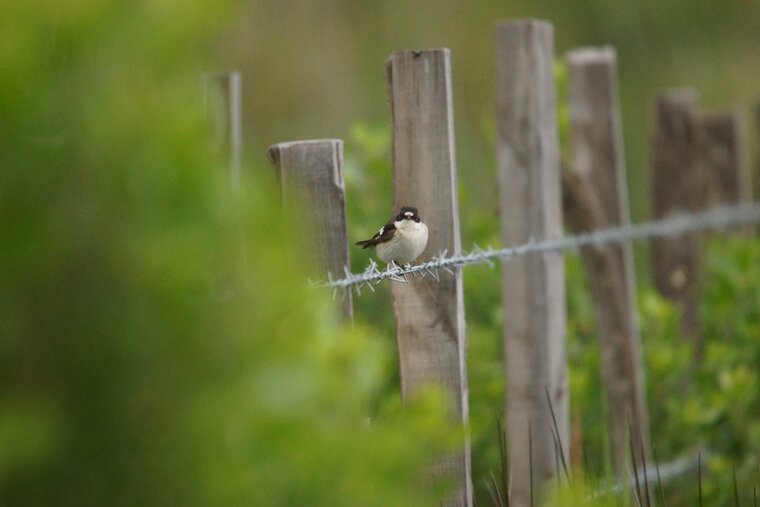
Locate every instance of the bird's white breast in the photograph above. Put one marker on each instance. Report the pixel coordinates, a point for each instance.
(407, 243)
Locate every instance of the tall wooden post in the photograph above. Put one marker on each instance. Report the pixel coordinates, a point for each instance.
(430, 326)
(533, 287)
(755, 170)
(223, 106)
(677, 186)
(311, 178)
(599, 200)
(223, 96)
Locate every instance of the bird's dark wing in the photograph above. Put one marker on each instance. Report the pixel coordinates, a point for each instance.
(383, 235)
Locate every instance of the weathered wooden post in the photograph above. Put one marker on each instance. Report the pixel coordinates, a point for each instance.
(533, 287)
(429, 314)
(223, 103)
(678, 186)
(598, 198)
(311, 178)
(223, 97)
(755, 191)
(726, 172)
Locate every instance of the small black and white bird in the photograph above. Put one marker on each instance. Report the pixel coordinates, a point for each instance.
(401, 240)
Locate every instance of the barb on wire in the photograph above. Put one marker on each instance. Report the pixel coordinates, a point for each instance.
(719, 218)
(666, 471)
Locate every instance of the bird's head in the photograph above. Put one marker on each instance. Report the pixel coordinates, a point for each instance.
(408, 213)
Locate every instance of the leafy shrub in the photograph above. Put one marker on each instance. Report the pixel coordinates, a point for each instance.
(158, 343)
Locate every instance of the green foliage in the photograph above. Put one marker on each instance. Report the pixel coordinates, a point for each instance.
(367, 175)
(587, 400)
(583, 492)
(714, 404)
(158, 344)
(710, 405)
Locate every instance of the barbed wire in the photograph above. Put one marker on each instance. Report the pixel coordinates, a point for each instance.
(654, 474)
(718, 218)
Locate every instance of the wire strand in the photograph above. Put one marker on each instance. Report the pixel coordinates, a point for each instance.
(719, 218)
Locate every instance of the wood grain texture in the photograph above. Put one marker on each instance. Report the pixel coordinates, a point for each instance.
(429, 315)
(678, 186)
(726, 171)
(598, 197)
(533, 287)
(313, 194)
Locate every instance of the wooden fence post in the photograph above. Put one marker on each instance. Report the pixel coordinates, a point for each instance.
(678, 186)
(533, 287)
(311, 178)
(223, 96)
(223, 102)
(726, 173)
(755, 179)
(430, 326)
(598, 198)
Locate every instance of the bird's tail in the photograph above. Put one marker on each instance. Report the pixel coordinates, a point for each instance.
(365, 243)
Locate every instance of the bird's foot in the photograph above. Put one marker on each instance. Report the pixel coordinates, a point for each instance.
(392, 265)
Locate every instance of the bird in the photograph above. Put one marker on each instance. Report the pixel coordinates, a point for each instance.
(401, 240)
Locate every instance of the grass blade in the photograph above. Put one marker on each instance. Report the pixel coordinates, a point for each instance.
(699, 476)
(530, 460)
(585, 459)
(636, 495)
(659, 480)
(504, 458)
(493, 490)
(637, 491)
(646, 479)
(736, 489)
(556, 432)
(557, 473)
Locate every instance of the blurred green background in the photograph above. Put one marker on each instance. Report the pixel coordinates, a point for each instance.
(152, 354)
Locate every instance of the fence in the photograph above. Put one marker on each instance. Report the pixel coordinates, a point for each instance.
(534, 194)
